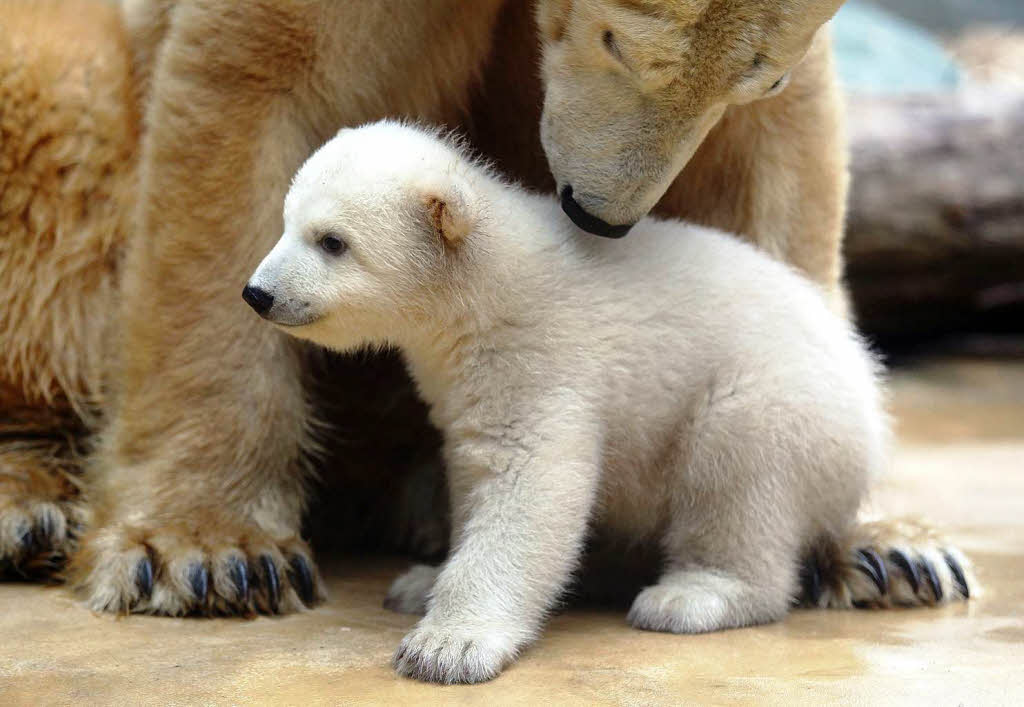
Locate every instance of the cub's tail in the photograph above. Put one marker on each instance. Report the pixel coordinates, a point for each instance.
(883, 564)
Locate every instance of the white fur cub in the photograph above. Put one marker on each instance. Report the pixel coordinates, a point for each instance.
(676, 387)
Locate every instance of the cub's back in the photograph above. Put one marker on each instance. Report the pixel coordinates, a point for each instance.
(710, 289)
(673, 309)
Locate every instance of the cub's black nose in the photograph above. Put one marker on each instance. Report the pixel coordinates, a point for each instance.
(258, 299)
(588, 222)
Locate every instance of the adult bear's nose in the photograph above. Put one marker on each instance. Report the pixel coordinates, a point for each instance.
(258, 299)
(588, 222)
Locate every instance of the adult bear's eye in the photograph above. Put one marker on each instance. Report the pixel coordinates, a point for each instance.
(332, 244)
(780, 84)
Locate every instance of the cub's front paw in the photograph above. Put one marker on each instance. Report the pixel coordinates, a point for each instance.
(203, 569)
(453, 655)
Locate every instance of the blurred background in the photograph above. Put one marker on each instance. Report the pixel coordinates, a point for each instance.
(935, 244)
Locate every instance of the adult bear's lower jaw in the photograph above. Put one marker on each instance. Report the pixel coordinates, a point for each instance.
(588, 222)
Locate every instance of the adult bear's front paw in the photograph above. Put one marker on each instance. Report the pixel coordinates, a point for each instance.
(451, 655)
(41, 514)
(209, 568)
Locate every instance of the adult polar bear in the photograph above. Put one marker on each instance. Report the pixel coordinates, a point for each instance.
(199, 477)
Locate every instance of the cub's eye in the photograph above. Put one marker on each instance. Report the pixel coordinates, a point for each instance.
(776, 85)
(332, 244)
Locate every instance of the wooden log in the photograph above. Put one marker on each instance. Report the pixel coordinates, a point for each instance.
(935, 235)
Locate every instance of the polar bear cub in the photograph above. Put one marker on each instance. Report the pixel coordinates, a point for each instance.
(677, 388)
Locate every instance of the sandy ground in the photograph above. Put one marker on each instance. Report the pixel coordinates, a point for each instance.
(960, 462)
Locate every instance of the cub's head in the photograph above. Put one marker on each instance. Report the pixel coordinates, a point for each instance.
(371, 223)
(634, 86)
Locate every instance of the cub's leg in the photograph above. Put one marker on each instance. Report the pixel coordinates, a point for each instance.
(521, 499)
(746, 491)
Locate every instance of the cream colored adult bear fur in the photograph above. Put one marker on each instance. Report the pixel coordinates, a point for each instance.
(68, 140)
(641, 386)
(202, 470)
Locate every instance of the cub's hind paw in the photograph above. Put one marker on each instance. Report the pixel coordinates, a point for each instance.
(409, 593)
(703, 600)
(177, 572)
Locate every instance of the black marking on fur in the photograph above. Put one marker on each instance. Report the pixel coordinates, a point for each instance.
(932, 576)
(901, 560)
(301, 578)
(144, 577)
(238, 571)
(199, 581)
(589, 222)
(273, 587)
(958, 575)
(869, 562)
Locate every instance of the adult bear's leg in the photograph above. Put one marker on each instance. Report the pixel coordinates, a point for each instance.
(200, 483)
(197, 495)
(67, 167)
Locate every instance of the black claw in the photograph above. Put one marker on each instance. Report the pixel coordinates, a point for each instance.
(810, 579)
(869, 562)
(958, 575)
(302, 578)
(932, 576)
(239, 574)
(199, 580)
(900, 559)
(273, 588)
(144, 577)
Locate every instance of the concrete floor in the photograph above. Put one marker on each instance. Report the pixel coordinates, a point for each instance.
(960, 462)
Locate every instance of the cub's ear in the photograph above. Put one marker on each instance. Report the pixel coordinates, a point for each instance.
(449, 213)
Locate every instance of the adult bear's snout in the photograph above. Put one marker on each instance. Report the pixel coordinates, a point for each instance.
(260, 300)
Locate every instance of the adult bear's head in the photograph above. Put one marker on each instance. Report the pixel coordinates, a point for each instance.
(634, 86)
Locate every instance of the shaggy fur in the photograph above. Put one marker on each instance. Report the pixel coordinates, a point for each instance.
(642, 386)
(68, 133)
(216, 423)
